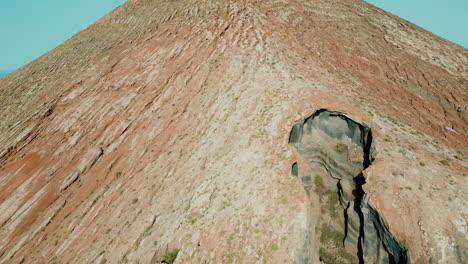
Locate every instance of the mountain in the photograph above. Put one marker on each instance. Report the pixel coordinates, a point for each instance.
(237, 132)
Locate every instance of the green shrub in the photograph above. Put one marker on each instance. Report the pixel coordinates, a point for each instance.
(332, 202)
(319, 185)
(170, 257)
(340, 148)
(445, 162)
(392, 118)
(318, 181)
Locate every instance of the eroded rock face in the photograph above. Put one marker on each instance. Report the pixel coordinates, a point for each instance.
(337, 149)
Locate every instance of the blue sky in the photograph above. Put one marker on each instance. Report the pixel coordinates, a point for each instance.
(446, 18)
(30, 28)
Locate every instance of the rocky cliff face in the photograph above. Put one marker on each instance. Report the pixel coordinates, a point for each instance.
(351, 230)
(167, 126)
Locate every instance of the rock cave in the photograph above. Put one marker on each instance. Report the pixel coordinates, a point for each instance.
(335, 150)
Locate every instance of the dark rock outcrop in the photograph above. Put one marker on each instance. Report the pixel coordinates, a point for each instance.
(337, 149)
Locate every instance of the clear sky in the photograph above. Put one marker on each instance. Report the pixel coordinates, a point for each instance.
(30, 28)
(446, 18)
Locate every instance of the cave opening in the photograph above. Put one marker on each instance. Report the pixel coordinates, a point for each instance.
(337, 149)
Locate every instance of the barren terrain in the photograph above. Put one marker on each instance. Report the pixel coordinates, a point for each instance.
(167, 125)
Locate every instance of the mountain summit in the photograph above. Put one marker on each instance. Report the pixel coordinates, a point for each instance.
(237, 132)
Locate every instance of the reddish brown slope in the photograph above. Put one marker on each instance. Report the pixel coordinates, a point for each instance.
(407, 71)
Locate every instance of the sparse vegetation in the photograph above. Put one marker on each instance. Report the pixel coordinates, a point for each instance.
(340, 148)
(191, 220)
(329, 235)
(444, 162)
(392, 118)
(318, 181)
(329, 198)
(118, 174)
(340, 257)
(332, 203)
(331, 238)
(170, 257)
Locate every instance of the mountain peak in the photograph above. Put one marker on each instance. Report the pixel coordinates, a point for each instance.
(237, 132)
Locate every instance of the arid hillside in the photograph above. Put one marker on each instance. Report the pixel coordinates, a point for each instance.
(280, 131)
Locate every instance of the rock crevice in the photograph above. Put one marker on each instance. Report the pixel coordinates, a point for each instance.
(337, 149)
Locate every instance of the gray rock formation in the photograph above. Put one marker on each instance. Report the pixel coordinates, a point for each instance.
(337, 149)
